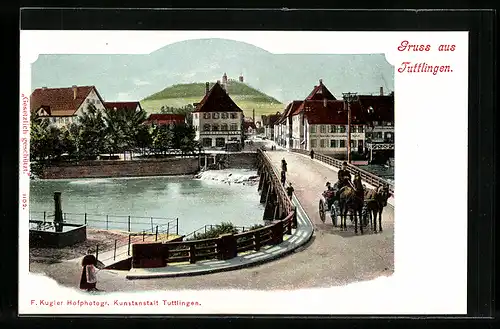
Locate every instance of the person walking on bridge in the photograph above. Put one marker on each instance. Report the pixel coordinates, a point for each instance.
(312, 154)
(283, 165)
(289, 190)
(283, 178)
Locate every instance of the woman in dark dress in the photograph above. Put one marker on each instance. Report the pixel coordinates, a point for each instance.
(88, 279)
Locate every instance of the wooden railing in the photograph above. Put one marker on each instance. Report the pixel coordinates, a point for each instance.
(148, 255)
(366, 176)
(227, 246)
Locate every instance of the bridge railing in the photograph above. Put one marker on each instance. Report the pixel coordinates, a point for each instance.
(227, 246)
(366, 176)
(224, 247)
(276, 181)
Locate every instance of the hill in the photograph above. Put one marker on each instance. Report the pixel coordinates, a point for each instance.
(246, 97)
(197, 90)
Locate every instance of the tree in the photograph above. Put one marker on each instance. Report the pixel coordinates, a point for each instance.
(144, 137)
(162, 139)
(92, 134)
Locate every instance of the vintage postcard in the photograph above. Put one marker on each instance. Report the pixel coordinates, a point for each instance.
(243, 172)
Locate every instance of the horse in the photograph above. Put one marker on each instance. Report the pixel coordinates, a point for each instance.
(377, 200)
(352, 198)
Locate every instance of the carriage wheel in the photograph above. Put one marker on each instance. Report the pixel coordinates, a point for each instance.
(321, 211)
(334, 215)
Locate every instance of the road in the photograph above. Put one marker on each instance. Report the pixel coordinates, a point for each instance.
(331, 258)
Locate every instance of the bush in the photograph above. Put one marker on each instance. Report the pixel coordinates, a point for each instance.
(215, 231)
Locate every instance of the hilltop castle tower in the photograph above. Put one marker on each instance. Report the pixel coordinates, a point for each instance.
(241, 78)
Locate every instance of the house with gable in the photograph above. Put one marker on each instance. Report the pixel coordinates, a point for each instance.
(217, 119)
(320, 122)
(63, 106)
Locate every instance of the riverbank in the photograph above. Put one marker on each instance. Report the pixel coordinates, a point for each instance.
(172, 166)
(104, 238)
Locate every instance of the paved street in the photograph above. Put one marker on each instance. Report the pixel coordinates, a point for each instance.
(331, 258)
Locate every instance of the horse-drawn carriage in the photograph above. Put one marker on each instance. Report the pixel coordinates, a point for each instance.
(329, 203)
(367, 207)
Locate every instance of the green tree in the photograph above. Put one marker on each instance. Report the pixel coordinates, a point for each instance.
(92, 134)
(161, 139)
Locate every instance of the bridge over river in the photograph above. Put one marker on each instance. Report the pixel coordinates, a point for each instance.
(331, 258)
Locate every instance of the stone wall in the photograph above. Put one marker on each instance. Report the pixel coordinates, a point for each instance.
(134, 168)
(241, 160)
(53, 239)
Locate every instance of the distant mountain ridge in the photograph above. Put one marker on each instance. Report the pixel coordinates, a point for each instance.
(283, 77)
(198, 90)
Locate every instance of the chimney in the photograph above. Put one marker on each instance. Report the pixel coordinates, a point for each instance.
(320, 82)
(75, 89)
(381, 91)
(207, 88)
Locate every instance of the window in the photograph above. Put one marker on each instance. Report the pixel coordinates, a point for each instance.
(223, 127)
(322, 143)
(223, 115)
(234, 126)
(322, 129)
(388, 123)
(354, 129)
(215, 127)
(361, 129)
(342, 143)
(360, 143)
(313, 129)
(206, 127)
(207, 142)
(375, 123)
(88, 100)
(332, 128)
(206, 115)
(314, 143)
(333, 143)
(342, 129)
(215, 115)
(233, 116)
(353, 143)
(220, 141)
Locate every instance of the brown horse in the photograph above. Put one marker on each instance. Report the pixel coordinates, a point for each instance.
(377, 200)
(352, 198)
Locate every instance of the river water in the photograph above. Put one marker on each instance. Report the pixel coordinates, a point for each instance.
(215, 197)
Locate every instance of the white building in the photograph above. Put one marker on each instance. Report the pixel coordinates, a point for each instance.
(320, 122)
(63, 106)
(217, 119)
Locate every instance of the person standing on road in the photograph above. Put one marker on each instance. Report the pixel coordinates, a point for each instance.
(289, 190)
(88, 279)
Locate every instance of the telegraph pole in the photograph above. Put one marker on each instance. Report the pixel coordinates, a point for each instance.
(349, 98)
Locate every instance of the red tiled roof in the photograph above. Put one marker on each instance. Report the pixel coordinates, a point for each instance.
(162, 119)
(320, 92)
(217, 100)
(333, 113)
(122, 105)
(383, 107)
(291, 107)
(60, 101)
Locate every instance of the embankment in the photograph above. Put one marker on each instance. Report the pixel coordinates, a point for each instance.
(146, 167)
(120, 168)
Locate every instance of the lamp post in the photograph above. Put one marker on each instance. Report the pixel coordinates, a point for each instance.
(349, 98)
